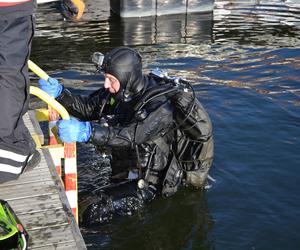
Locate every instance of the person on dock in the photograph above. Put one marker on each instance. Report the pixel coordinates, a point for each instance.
(17, 149)
(158, 134)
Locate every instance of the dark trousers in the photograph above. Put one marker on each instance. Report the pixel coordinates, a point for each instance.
(16, 143)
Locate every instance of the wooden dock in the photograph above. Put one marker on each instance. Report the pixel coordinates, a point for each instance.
(39, 200)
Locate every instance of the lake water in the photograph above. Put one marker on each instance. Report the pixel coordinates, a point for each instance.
(244, 62)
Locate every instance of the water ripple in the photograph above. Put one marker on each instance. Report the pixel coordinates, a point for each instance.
(243, 60)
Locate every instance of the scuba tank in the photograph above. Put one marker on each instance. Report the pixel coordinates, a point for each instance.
(193, 148)
(12, 233)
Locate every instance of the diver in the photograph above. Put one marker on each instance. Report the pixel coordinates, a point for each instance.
(157, 133)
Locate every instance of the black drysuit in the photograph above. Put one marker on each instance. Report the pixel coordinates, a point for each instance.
(143, 144)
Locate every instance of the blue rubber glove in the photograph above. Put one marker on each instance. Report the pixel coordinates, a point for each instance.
(52, 87)
(73, 130)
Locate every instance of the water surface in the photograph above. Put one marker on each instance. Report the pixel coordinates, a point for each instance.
(244, 62)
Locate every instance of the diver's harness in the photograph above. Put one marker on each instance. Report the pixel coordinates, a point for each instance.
(168, 86)
(12, 233)
(172, 88)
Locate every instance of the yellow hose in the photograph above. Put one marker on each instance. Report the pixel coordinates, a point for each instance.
(37, 70)
(50, 101)
(43, 95)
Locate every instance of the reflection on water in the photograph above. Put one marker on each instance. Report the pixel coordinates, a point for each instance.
(246, 22)
(140, 8)
(158, 226)
(243, 60)
(164, 29)
(258, 22)
(93, 34)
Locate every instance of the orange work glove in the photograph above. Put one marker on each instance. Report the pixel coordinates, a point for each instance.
(72, 9)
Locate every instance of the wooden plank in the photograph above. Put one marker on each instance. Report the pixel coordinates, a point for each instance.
(39, 200)
(40, 174)
(57, 246)
(38, 203)
(29, 190)
(44, 218)
(51, 236)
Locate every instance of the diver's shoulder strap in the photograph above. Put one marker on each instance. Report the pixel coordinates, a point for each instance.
(163, 146)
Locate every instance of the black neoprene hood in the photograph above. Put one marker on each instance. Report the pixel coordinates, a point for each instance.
(126, 65)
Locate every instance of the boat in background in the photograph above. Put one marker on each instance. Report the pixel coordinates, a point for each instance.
(144, 8)
(140, 8)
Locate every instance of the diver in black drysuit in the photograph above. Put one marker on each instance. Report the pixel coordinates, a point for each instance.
(155, 143)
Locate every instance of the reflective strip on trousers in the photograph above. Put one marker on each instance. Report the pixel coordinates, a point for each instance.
(7, 3)
(10, 169)
(12, 156)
